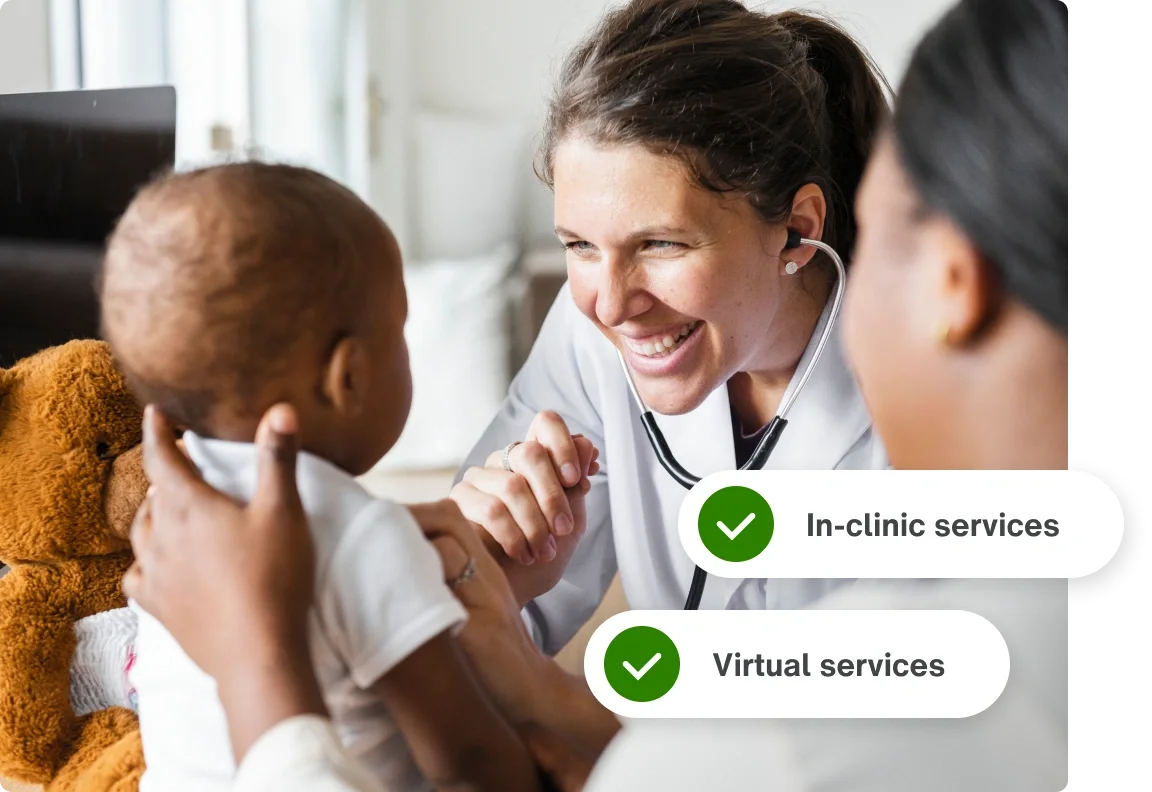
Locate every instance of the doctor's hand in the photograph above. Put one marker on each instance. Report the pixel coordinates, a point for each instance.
(532, 516)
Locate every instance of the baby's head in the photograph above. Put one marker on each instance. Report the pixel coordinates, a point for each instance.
(233, 288)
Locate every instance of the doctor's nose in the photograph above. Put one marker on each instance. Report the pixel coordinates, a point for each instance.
(620, 292)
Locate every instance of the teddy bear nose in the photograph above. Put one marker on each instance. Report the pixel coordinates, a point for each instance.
(127, 485)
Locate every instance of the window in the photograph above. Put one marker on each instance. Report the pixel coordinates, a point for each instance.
(265, 78)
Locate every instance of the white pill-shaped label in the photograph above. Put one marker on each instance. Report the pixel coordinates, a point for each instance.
(901, 524)
(797, 664)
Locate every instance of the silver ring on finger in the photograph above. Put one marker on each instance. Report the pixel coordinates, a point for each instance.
(468, 573)
(504, 462)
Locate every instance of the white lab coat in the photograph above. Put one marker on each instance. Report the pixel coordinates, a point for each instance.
(634, 503)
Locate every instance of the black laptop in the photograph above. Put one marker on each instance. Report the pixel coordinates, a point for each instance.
(70, 162)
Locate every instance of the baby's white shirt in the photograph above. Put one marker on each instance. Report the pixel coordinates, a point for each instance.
(380, 595)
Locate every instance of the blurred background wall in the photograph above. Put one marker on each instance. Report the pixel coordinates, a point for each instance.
(25, 56)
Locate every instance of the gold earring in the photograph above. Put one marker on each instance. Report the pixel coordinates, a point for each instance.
(943, 332)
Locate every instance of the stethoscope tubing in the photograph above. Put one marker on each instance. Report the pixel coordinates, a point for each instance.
(771, 436)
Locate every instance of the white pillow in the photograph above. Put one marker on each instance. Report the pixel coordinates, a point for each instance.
(458, 334)
(470, 179)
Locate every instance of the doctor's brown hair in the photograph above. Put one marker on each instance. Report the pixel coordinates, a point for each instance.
(753, 103)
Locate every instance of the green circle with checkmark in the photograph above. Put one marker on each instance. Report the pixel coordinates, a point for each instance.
(641, 664)
(736, 524)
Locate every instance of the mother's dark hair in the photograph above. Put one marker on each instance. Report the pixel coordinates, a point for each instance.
(981, 127)
(760, 104)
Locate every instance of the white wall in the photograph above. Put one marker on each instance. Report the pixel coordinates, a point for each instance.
(500, 57)
(888, 29)
(25, 57)
(494, 56)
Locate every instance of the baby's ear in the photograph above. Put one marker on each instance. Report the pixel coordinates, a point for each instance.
(345, 380)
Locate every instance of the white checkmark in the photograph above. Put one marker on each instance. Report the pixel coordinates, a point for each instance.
(638, 675)
(733, 533)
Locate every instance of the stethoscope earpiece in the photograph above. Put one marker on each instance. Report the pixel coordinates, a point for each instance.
(793, 239)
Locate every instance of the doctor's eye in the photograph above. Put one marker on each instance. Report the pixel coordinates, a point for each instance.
(580, 248)
(663, 245)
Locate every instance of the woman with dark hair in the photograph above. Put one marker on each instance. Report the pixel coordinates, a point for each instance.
(685, 141)
(956, 325)
(959, 296)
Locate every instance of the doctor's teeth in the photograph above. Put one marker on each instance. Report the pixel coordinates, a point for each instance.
(663, 345)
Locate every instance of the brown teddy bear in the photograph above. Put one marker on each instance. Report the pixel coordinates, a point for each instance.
(71, 479)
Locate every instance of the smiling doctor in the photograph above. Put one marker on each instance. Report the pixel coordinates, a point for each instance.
(685, 141)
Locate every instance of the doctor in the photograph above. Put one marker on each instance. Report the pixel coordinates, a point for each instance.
(684, 141)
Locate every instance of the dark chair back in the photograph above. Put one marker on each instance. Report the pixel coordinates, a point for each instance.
(73, 161)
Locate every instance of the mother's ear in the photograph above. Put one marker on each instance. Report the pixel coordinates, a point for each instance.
(963, 284)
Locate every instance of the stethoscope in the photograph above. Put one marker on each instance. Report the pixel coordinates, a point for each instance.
(771, 435)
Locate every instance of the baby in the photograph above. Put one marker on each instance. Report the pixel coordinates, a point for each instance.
(228, 290)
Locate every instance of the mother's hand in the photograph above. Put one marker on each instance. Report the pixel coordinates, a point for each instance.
(231, 583)
(214, 571)
(535, 513)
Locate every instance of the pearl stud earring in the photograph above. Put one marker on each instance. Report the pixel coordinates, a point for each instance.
(943, 333)
(791, 267)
